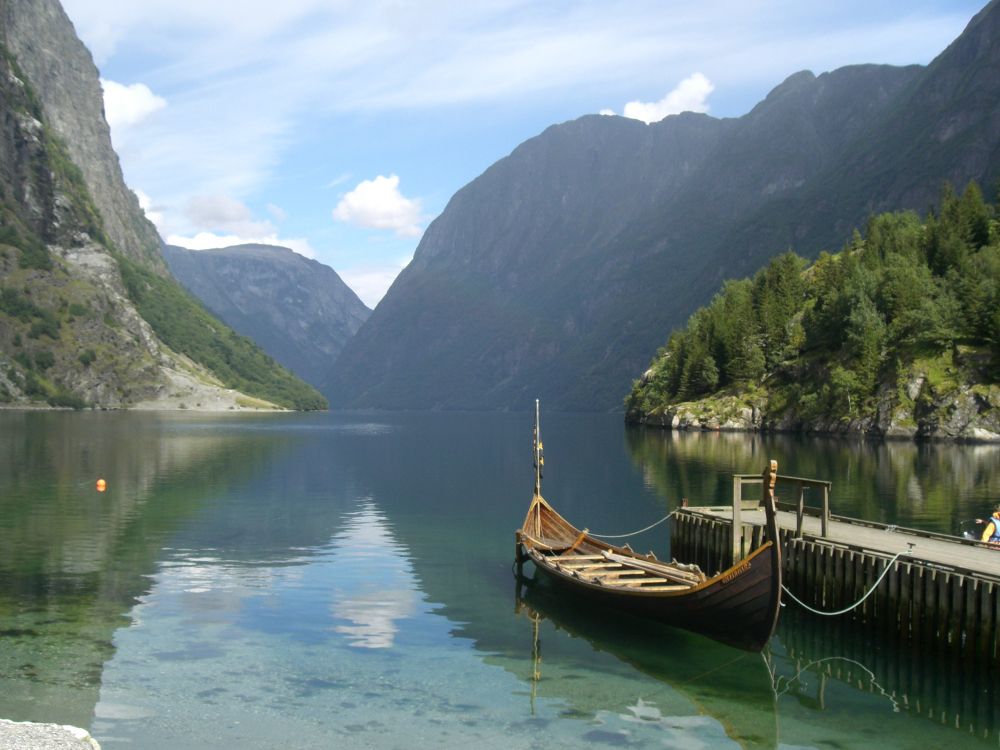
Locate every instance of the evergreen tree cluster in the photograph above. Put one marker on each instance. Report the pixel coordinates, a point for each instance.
(906, 289)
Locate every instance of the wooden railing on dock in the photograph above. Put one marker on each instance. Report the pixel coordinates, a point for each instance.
(740, 481)
(940, 593)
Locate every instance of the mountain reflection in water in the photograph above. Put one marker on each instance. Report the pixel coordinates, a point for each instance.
(346, 580)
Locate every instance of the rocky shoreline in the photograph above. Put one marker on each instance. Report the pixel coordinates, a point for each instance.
(27, 735)
(967, 414)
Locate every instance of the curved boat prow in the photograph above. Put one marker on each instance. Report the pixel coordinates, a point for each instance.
(771, 529)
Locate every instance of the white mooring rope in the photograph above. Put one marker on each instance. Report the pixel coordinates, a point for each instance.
(622, 536)
(857, 604)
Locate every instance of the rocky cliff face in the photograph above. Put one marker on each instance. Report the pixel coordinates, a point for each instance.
(298, 310)
(69, 334)
(65, 80)
(86, 302)
(559, 271)
(926, 410)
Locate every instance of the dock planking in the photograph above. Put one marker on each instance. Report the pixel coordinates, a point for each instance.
(942, 594)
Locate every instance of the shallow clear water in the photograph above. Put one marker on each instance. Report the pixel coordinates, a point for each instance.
(330, 580)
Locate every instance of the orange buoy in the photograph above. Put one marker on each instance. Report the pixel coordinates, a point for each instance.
(101, 485)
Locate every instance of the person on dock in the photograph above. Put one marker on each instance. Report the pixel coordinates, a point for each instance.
(991, 534)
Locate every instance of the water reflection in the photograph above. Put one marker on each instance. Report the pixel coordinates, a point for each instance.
(930, 486)
(74, 562)
(949, 693)
(732, 687)
(341, 579)
(375, 586)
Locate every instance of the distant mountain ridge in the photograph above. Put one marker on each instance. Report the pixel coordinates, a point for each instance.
(296, 309)
(559, 270)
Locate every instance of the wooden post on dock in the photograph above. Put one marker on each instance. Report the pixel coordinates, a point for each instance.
(737, 527)
(801, 511)
(824, 522)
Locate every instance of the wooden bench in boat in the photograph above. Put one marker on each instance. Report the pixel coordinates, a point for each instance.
(609, 569)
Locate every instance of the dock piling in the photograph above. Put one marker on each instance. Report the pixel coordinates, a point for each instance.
(939, 594)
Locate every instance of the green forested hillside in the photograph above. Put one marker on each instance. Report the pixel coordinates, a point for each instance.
(899, 333)
(183, 324)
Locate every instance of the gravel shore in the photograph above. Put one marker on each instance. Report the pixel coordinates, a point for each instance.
(25, 735)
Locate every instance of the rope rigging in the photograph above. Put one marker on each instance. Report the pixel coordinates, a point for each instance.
(857, 604)
(634, 533)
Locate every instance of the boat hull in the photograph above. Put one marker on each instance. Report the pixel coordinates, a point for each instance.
(737, 606)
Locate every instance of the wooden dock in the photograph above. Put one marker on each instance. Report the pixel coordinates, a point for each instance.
(942, 593)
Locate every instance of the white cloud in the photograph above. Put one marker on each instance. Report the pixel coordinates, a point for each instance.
(222, 213)
(153, 213)
(339, 180)
(217, 210)
(129, 105)
(222, 221)
(378, 204)
(691, 95)
(277, 212)
(212, 241)
(371, 282)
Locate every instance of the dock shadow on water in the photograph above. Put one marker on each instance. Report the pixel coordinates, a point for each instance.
(346, 580)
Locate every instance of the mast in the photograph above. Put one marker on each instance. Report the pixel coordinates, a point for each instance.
(539, 458)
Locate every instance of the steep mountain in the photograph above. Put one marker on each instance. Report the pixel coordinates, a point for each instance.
(62, 74)
(296, 309)
(559, 270)
(89, 313)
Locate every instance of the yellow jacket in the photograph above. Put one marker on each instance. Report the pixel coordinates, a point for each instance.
(992, 531)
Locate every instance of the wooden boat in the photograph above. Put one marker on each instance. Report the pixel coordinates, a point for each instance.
(738, 605)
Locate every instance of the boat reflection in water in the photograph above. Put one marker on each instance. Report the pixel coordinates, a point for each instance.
(817, 684)
(696, 681)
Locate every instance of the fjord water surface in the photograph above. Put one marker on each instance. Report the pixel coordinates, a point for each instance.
(328, 580)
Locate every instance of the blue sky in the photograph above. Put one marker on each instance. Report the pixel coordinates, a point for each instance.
(342, 129)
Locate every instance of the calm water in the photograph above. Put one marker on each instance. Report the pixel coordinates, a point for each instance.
(330, 580)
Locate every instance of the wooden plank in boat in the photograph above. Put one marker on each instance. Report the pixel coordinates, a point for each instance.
(580, 560)
(587, 565)
(642, 582)
(597, 566)
(622, 573)
(656, 568)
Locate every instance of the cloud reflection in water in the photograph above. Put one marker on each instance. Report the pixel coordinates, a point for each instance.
(376, 588)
